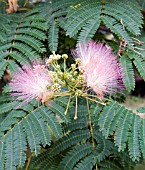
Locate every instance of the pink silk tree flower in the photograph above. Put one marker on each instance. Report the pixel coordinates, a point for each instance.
(30, 83)
(100, 67)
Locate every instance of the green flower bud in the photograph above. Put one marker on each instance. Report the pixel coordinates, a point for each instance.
(78, 61)
(49, 61)
(75, 73)
(73, 80)
(64, 56)
(56, 87)
(73, 66)
(78, 93)
(58, 56)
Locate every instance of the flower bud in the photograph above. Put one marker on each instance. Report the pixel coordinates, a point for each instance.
(56, 87)
(78, 93)
(78, 60)
(64, 56)
(73, 66)
(75, 73)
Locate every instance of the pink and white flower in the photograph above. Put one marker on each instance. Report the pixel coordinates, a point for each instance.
(31, 82)
(101, 69)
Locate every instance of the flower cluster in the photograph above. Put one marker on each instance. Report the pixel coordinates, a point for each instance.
(95, 67)
(32, 82)
(100, 68)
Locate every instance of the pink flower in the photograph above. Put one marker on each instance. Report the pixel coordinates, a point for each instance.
(31, 82)
(100, 67)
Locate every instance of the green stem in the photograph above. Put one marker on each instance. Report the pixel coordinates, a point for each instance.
(76, 109)
(25, 3)
(90, 122)
(28, 163)
(104, 104)
(64, 65)
(96, 97)
(67, 105)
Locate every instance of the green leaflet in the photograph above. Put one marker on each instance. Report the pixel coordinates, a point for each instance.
(7, 107)
(53, 36)
(2, 153)
(3, 65)
(68, 140)
(134, 147)
(25, 122)
(128, 73)
(125, 124)
(86, 16)
(19, 145)
(75, 155)
(59, 110)
(142, 137)
(9, 151)
(52, 121)
(22, 46)
(140, 66)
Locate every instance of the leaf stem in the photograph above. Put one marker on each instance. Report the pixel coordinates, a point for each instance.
(90, 122)
(76, 109)
(28, 163)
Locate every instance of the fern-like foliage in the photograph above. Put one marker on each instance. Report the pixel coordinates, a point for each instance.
(78, 144)
(131, 62)
(127, 127)
(25, 36)
(81, 147)
(128, 73)
(114, 14)
(101, 135)
(26, 124)
(22, 40)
